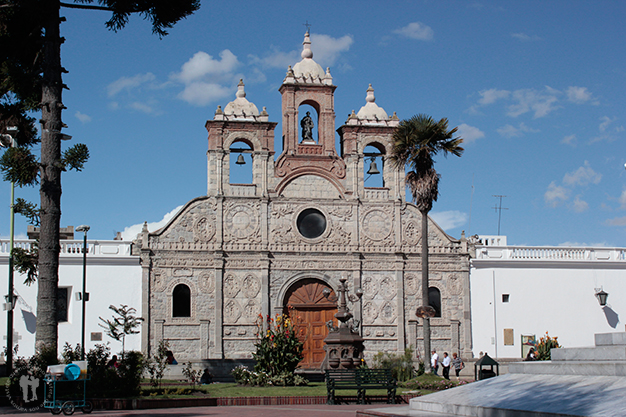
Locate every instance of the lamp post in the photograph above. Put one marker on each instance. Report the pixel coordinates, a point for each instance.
(83, 228)
(8, 141)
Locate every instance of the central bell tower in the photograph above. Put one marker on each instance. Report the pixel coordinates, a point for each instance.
(308, 84)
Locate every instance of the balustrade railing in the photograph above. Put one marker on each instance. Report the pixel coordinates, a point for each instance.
(75, 247)
(528, 253)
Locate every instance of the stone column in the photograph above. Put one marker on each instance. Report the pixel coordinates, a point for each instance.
(218, 352)
(412, 337)
(204, 338)
(454, 339)
(159, 324)
(399, 273)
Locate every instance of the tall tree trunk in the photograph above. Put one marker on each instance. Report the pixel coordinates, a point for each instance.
(50, 184)
(425, 298)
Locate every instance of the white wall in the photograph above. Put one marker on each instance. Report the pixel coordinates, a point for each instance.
(550, 290)
(113, 277)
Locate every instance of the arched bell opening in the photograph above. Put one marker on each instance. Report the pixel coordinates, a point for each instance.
(241, 162)
(373, 166)
(306, 305)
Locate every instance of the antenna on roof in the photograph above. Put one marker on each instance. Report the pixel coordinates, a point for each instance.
(499, 209)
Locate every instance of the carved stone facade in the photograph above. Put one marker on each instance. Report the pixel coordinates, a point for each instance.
(236, 252)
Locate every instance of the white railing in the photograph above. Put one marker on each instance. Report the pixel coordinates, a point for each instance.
(75, 247)
(377, 194)
(243, 190)
(528, 253)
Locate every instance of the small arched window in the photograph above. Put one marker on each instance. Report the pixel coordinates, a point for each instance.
(434, 300)
(181, 301)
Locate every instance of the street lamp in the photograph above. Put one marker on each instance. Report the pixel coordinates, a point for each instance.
(83, 228)
(8, 141)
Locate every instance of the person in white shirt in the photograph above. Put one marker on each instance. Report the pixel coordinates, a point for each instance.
(434, 362)
(446, 365)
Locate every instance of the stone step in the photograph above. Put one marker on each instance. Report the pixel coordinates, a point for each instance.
(600, 353)
(610, 339)
(582, 368)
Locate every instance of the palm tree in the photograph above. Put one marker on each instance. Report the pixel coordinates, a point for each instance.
(416, 141)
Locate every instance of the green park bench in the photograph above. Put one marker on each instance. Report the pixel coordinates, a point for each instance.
(360, 380)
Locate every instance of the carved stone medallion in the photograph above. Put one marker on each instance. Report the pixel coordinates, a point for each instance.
(454, 284)
(369, 286)
(232, 311)
(411, 284)
(388, 288)
(204, 229)
(370, 312)
(231, 286)
(377, 224)
(388, 312)
(206, 282)
(251, 311)
(241, 221)
(251, 286)
(411, 232)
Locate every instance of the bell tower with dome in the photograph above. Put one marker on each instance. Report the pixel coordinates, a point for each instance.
(304, 226)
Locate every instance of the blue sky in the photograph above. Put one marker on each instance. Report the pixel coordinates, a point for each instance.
(536, 89)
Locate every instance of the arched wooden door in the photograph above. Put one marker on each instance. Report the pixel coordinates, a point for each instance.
(310, 310)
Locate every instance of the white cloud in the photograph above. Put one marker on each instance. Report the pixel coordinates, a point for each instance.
(416, 30)
(618, 221)
(584, 175)
(143, 107)
(277, 59)
(578, 95)
(555, 195)
(449, 219)
(207, 79)
(201, 93)
(129, 83)
(492, 95)
(131, 232)
(470, 133)
(82, 117)
(606, 122)
(525, 38)
(539, 102)
(579, 205)
(622, 200)
(327, 49)
(203, 67)
(569, 140)
(509, 131)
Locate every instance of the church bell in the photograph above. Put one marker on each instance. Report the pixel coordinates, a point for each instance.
(240, 160)
(373, 168)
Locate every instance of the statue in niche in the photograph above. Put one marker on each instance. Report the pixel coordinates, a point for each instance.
(307, 128)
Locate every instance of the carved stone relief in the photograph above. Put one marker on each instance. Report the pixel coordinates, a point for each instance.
(206, 281)
(454, 284)
(241, 221)
(231, 286)
(377, 224)
(388, 288)
(204, 228)
(251, 286)
(411, 233)
(232, 311)
(388, 312)
(411, 284)
(369, 286)
(370, 312)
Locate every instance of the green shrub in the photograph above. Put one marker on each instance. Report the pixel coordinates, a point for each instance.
(278, 350)
(430, 384)
(543, 347)
(123, 381)
(401, 365)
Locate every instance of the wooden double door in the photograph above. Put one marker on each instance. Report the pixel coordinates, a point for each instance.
(310, 310)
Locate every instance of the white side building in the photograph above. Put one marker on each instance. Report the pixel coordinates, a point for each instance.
(113, 278)
(520, 290)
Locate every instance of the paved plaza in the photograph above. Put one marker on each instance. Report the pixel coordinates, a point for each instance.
(231, 411)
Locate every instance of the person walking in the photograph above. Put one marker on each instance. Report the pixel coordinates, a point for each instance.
(445, 364)
(434, 362)
(458, 365)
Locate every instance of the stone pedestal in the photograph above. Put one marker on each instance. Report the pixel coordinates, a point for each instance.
(344, 349)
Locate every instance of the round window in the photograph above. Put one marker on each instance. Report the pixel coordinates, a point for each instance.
(311, 223)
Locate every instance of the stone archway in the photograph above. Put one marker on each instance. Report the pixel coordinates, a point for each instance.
(310, 310)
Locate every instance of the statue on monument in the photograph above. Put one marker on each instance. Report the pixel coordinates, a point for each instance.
(307, 128)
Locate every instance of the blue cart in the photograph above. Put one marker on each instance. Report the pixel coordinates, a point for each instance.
(65, 393)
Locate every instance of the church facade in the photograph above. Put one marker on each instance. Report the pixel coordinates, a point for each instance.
(305, 220)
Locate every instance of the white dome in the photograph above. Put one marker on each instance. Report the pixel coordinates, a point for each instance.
(307, 68)
(371, 111)
(241, 107)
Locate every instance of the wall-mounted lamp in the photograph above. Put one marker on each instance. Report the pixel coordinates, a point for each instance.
(601, 295)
